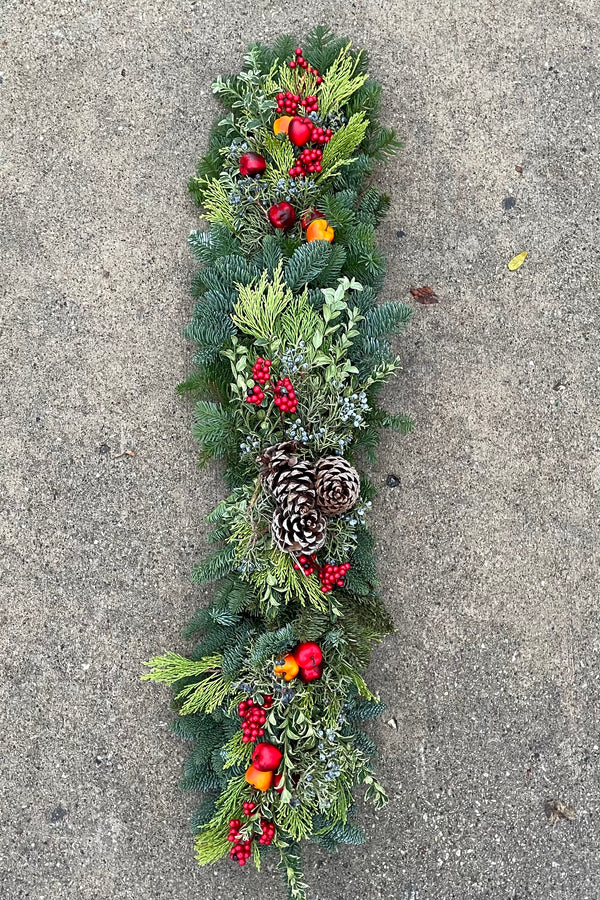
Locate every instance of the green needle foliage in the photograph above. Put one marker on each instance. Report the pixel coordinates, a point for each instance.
(313, 310)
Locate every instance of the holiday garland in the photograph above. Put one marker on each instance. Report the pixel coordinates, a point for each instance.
(292, 352)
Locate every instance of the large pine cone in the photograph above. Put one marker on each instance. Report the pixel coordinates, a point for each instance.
(295, 532)
(275, 460)
(294, 488)
(291, 482)
(337, 484)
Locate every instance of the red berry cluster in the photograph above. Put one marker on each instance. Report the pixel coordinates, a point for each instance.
(268, 832)
(308, 161)
(248, 807)
(308, 563)
(288, 103)
(331, 575)
(261, 370)
(301, 63)
(234, 830)
(241, 849)
(253, 718)
(285, 396)
(320, 135)
(256, 395)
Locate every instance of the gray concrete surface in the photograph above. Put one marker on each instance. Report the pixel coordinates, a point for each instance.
(488, 546)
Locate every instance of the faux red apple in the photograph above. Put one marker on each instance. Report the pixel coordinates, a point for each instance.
(252, 164)
(300, 131)
(282, 215)
(278, 783)
(308, 217)
(308, 655)
(311, 673)
(266, 757)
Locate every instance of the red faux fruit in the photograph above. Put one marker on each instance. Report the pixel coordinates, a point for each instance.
(299, 131)
(252, 164)
(278, 784)
(308, 655)
(308, 217)
(282, 215)
(311, 673)
(266, 757)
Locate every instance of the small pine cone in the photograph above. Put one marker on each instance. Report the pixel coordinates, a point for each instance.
(337, 484)
(297, 533)
(276, 459)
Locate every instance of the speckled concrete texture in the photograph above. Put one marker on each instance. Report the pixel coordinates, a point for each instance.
(488, 544)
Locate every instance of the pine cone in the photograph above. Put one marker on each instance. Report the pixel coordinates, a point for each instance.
(275, 460)
(291, 482)
(295, 532)
(337, 484)
(294, 488)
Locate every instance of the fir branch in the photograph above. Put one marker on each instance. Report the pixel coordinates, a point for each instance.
(213, 428)
(203, 813)
(215, 566)
(383, 143)
(273, 644)
(204, 780)
(348, 834)
(306, 264)
(189, 728)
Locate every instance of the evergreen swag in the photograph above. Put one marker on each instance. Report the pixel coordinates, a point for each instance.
(311, 308)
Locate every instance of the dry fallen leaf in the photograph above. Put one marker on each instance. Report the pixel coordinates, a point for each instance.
(519, 169)
(517, 261)
(125, 453)
(425, 295)
(556, 810)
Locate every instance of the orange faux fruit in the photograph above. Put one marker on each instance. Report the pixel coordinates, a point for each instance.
(262, 781)
(281, 125)
(289, 668)
(319, 230)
